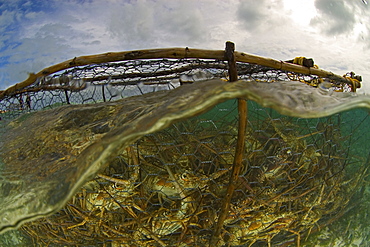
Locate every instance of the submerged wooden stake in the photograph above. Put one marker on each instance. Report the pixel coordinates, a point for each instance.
(239, 150)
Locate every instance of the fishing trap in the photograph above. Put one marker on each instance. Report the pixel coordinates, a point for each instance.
(181, 147)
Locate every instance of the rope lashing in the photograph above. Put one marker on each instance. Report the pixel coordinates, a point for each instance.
(306, 62)
(355, 80)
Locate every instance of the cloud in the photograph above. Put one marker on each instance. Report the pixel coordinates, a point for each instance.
(184, 22)
(139, 23)
(131, 23)
(13, 16)
(334, 17)
(362, 29)
(251, 13)
(37, 34)
(350, 19)
(263, 15)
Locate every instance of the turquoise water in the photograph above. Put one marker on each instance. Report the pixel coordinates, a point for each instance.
(352, 228)
(348, 128)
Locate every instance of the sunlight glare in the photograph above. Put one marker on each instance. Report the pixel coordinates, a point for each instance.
(301, 11)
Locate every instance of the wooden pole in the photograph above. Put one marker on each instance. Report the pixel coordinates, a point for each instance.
(175, 53)
(239, 150)
(231, 61)
(281, 65)
(103, 92)
(67, 97)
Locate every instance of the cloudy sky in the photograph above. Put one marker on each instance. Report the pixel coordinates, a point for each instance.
(39, 33)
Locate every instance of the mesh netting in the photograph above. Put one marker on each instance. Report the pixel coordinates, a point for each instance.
(169, 187)
(112, 81)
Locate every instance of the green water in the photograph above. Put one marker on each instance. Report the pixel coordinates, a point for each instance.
(353, 228)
